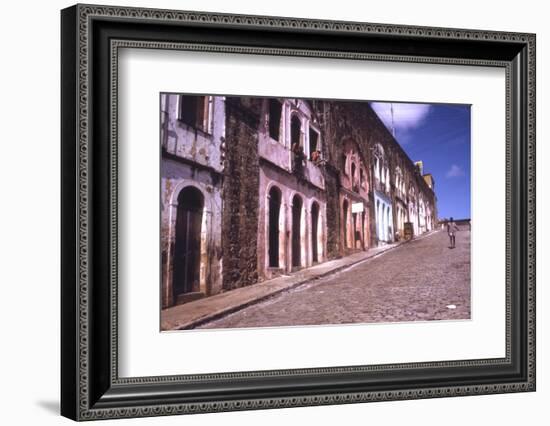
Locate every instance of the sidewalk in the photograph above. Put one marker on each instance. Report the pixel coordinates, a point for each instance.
(193, 314)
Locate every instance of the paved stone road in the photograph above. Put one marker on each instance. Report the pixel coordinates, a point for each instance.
(414, 282)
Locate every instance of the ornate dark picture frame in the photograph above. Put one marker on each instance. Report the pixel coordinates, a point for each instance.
(91, 36)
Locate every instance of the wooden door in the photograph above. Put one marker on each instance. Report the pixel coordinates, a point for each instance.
(296, 231)
(274, 211)
(314, 227)
(186, 267)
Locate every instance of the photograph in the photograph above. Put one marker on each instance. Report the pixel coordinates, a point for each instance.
(283, 211)
(266, 209)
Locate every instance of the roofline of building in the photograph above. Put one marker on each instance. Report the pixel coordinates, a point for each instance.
(399, 147)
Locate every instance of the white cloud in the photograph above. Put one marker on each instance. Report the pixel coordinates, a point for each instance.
(455, 171)
(405, 116)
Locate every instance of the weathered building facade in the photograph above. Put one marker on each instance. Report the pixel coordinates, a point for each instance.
(252, 188)
(292, 199)
(192, 130)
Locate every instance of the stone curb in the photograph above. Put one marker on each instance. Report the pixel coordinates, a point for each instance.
(212, 316)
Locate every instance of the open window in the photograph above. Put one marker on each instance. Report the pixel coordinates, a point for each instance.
(343, 162)
(275, 112)
(353, 179)
(194, 111)
(314, 148)
(295, 132)
(296, 144)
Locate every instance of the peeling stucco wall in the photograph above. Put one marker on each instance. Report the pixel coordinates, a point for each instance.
(191, 158)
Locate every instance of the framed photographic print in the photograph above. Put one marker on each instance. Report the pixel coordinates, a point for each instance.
(263, 212)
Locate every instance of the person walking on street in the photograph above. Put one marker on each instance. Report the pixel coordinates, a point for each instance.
(452, 228)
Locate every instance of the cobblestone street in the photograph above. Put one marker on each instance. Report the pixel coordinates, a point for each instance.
(419, 281)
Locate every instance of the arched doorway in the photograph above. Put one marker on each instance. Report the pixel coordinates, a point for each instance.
(187, 251)
(384, 222)
(273, 231)
(296, 231)
(379, 220)
(345, 222)
(314, 232)
(363, 230)
(389, 231)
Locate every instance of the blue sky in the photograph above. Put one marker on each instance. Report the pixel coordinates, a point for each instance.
(439, 135)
